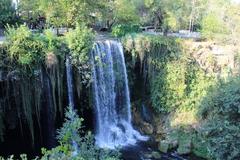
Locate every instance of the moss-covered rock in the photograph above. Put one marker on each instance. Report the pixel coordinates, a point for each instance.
(156, 155)
(185, 148)
(147, 128)
(164, 146)
(182, 141)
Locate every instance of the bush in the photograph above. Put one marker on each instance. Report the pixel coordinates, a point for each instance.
(80, 43)
(168, 89)
(28, 51)
(7, 12)
(73, 145)
(123, 29)
(213, 26)
(174, 78)
(24, 47)
(220, 111)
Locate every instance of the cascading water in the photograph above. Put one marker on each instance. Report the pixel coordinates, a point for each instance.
(70, 97)
(50, 124)
(69, 82)
(111, 97)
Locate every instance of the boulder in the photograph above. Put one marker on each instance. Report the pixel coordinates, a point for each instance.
(158, 137)
(173, 144)
(185, 148)
(153, 155)
(156, 155)
(164, 146)
(148, 156)
(147, 128)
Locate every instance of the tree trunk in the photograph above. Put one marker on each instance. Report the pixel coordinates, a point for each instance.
(191, 20)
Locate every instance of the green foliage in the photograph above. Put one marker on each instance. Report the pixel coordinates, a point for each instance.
(74, 146)
(155, 54)
(123, 29)
(183, 137)
(125, 11)
(180, 87)
(171, 22)
(221, 21)
(80, 42)
(152, 49)
(7, 12)
(24, 48)
(62, 13)
(26, 56)
(220, 111)
(28, 51)
(175, 14)
(168, 88)
(175, 80)
(29, 10)
(212, 25)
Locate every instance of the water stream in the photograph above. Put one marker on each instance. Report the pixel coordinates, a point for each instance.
(69, 82)
(112, 97)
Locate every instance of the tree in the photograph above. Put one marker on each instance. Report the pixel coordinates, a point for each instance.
(125, 11)
(7, 12)
(114, 12)
(232, 20)
(221, 21)
(29, 8)
(69, 12)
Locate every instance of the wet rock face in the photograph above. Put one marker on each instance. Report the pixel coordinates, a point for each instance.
(147, 128)
(146, 114)
(1, 75)
(143, 126)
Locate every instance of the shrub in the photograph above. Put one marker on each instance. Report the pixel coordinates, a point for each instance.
(220, 111)
(7, 12)
(168, 89)
(123, 29)
(28, 51)
(213, 26)
(80, 42)
(24, 47)
(73, 145)
(174, 78)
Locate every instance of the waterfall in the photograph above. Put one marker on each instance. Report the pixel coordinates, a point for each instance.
(70, 98)
(48, 111)
(111, 97)
(69, 82)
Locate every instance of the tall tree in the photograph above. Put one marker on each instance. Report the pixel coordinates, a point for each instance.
(7, 12)
(28, 8)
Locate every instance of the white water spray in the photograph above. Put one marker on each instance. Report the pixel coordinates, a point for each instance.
(112, 97)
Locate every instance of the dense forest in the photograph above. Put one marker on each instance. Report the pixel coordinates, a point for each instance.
(120, 79)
